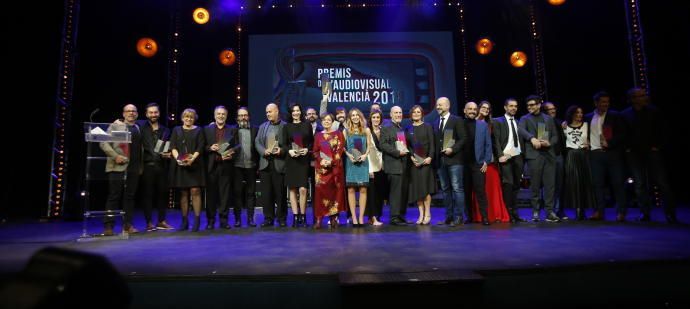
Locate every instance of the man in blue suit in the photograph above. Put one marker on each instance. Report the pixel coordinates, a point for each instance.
(478, 155)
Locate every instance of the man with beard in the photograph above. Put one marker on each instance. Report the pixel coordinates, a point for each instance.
(154, 180)
(244, 177)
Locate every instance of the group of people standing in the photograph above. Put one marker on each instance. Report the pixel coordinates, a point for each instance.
(352, 160)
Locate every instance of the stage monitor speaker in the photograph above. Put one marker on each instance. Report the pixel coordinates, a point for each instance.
(61, 278)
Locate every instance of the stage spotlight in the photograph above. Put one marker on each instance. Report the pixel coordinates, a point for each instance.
(484, 46)
(227, 57)
(556, 2)
(518, 59)
(147, 47)
(201, 16)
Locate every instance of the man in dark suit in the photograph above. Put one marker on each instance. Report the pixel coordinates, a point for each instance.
(246, 160)
(448, 161)
(541, 158)
(607, 135)
(395, 165)
(644, 152)
(154, 180)
(478, 156)
(222, 142)
(509, 142)
(559, 148)
(272, 166)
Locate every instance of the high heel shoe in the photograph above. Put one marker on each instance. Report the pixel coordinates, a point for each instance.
(185, 224)
(420, 219)
(295, 220)
(427, 219)
(197, 222)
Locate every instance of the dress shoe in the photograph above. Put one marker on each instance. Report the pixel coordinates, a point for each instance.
(150, 227)
(516, 219)
(535, 216)
(447, 221)
(579, 214)
(250, 221)
(282, 222)
(397, 221)
(129, 229)
(108, 230)
(552, 217)
(485, 222)
(644, 217)
(596, 216)
(457, 222)
(238, 222)
(163, 226)
(267, 223)
(211, 224)
(671, 218)
(225, 226)
(620, 217)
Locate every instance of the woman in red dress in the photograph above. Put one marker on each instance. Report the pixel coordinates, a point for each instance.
(329, 198)
(497, 210)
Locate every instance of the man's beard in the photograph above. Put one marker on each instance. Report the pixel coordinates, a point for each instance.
(243, 124)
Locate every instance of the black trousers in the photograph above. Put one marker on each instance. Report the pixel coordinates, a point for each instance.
(244, 191)
(272, 193)
(608, 164)
(399, 184)
(376, 194)
(154, 191)
(218, 191)
(511, 176)
(121, 191)
(479, 188)
(650, 166)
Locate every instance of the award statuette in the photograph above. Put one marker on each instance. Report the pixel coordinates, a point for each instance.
(326, 152)
(271, 143)
(162, 146)
(400, 141)
(356, 151)
(542, 134)
(223, 148)
(419, 153)
(297, 142)
(182, 159)
(326, 87)
(448, 140)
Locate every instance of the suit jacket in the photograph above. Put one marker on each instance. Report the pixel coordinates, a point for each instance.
(455, 124)
(260, 144)
(482, 143)
(230, 136)
(393, 163)
(529, 123)
(615, 121)
(501, 134)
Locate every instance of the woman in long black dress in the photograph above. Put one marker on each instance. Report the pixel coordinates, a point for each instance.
(579, 192)
(420, 141)
(300, 141)
(187, 174)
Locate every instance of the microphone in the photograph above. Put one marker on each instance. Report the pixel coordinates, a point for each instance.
(93, 113)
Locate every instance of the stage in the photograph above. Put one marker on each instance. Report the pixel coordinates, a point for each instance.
(351, 257)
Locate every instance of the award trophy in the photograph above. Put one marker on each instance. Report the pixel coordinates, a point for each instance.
(419, 153)
(162, 146)
(326, 152)
(356, 150)
(400, 142)
(448, 140)
(542, 134)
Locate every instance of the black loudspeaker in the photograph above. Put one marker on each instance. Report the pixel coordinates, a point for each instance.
(60, 278)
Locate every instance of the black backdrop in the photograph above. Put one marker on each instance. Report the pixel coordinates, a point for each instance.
(585, 49)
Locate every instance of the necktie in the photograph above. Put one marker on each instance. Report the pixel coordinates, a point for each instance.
(512, 128)
(440, 127)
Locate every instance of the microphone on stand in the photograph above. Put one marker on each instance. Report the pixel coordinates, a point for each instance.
(93, 113)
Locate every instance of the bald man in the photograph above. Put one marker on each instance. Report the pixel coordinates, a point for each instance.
(272, 166)
(395, 163)
(125, 161)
